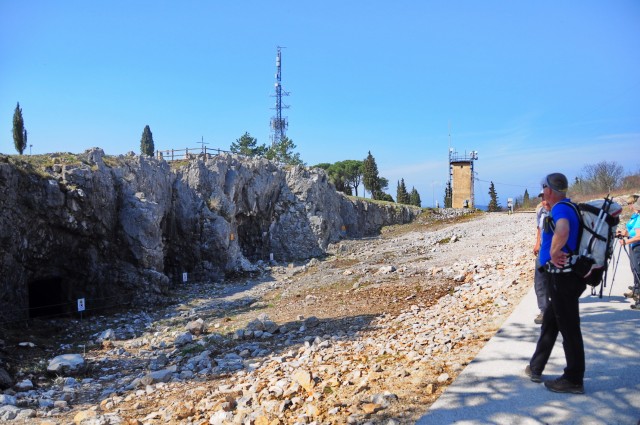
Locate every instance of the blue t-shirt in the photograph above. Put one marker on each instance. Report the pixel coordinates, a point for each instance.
(632, 227)
(560, 210)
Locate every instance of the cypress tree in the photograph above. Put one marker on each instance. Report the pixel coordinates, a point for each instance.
(414, 198)
(370, 177)
(146, 142)
(402, 196)
(525, 199)
(493, 202)
(19, 132)
(448, 195)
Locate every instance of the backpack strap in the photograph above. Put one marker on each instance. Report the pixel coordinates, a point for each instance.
(552, 225)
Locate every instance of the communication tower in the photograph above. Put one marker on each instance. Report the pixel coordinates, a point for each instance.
(279, 123)
(461, 178)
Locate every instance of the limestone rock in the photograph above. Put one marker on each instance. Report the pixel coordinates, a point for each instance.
(126, 227)
(6, 399)
(196, 327)
(5, 379)
(24, 385)
(66, 364)
(8, 413)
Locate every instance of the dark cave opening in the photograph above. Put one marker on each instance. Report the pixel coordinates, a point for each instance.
(46, 298)
(253, 240)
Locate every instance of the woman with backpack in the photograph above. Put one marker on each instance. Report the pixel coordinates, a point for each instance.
(631, 236)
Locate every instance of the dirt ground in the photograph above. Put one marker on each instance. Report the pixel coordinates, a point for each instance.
(356, 291)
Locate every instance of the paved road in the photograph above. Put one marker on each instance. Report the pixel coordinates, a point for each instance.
(492, 389)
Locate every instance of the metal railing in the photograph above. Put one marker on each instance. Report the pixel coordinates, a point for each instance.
(187, 153)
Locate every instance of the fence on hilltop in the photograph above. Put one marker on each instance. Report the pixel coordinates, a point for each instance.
(188, 153)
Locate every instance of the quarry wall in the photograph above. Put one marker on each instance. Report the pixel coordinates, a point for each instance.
(117, 228)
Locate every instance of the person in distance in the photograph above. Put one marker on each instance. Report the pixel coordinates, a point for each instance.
(539, 276)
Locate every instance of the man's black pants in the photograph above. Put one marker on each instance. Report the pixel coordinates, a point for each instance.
(562, 315)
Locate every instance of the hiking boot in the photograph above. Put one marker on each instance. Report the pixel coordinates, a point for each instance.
(561, 385)
(535, 377)
(538, 319)
(635, 307)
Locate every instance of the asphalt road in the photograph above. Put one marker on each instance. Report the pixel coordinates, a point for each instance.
(493, 389)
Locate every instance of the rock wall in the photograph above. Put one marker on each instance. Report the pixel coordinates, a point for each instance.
(123, 228)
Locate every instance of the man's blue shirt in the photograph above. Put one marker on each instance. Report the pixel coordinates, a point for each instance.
(560, 210)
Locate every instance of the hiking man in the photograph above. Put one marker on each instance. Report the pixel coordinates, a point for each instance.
(539, 275)
(559, 239)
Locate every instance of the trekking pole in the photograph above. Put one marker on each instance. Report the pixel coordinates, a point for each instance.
(602, 216)
(615, 268)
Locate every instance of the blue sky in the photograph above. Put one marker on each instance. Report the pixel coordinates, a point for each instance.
(534, 87)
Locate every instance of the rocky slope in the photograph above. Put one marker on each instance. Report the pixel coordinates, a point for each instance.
(110, 229)
(370, 334)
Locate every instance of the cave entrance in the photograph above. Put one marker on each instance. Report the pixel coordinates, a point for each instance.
(253, 241)
(46, 298)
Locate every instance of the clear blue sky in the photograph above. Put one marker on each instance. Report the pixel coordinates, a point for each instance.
(534, 87)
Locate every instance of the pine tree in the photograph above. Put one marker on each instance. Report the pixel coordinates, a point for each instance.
(19, 132)
(385, 197)
(282, 151)
(414, 198)
(448, 195)
(248, 146)
(525, 199)
(382, 185)
(493, 202)
(370, 177)
(353, 173)
(402, 196)
(146, 142)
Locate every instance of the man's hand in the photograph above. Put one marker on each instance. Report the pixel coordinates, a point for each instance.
(560, 237)
(559, 259)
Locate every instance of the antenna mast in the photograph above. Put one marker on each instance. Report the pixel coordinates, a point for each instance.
(279, 123)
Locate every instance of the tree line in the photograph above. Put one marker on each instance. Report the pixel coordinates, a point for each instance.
(281, 151)
(603, 178)
(347, 176)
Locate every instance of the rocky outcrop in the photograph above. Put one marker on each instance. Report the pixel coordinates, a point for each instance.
(124, 228)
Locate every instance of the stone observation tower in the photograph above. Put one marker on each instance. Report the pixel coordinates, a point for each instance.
(461, 178)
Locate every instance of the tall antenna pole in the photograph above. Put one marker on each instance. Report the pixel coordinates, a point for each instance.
(279, 123)
(449, 188)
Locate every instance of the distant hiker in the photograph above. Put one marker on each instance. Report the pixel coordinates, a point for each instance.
(540, 280)
(510, 206)
(630, 236)
(562, 315)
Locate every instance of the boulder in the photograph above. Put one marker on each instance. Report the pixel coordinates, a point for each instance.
(66, 364)
(196, 327)
(183, 339)
(5, 379)
(24, 385)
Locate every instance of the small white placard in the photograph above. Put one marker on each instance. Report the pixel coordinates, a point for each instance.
(80, 304)
(184, 277)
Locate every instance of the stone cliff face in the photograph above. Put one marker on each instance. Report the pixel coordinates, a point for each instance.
(116, 229)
